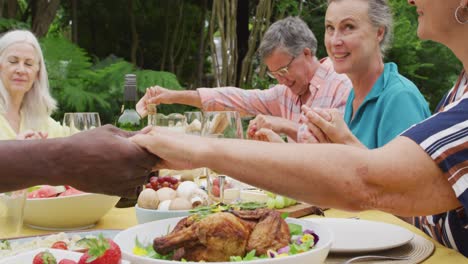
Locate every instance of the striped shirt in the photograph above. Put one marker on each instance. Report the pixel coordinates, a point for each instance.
(444, 137)
(328, 90)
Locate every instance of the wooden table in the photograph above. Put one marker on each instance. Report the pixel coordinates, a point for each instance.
(125, 218)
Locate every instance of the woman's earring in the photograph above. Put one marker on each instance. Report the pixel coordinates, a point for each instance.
(457, 16)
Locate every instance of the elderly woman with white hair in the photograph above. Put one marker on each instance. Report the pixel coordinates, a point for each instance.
(382, 103)
(25, 100)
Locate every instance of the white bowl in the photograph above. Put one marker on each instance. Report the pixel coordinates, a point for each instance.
(68, 212)
(147, 232)
(148, 215)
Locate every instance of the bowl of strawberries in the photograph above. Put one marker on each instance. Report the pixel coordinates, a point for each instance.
(65, 208)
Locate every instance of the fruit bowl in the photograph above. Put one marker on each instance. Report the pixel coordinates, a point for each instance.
(148, 215)
(147, 232)
(68, 212)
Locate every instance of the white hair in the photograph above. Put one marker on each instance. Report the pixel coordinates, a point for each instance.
(37, 103)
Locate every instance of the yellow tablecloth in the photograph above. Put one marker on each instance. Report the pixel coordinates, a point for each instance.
(125, 218)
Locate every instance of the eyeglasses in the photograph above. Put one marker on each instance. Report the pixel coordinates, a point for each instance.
(281, 72)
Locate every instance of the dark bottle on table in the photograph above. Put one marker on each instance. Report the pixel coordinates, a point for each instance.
(129, 119)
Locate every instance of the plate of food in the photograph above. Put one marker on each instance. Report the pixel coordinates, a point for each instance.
(260, 236)
(63, 240)
(358, 236)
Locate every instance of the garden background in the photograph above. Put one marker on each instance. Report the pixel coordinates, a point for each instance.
(90, 45)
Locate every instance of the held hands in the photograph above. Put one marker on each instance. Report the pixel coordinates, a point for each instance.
(326, 126)
(176, 151)
(29, 134)
(104, 160)
(154, 95)
(265, 128)
(266, 134)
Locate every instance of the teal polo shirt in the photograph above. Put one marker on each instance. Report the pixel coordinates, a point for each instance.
(393, 105)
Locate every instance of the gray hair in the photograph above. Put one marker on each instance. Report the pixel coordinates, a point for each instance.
(37, 103)
(380, 15)
(291, 34)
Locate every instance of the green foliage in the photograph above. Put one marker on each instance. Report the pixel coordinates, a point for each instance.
(80, 86)
(9, 24)
(431, 66)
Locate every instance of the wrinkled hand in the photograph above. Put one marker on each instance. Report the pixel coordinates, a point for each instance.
(104, 160)
(29, 134)
(264, 121)
(328, 126)
(176, 151)
(266, 134)
(154, 95)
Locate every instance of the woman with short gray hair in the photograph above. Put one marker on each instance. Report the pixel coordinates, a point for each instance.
(382, 103)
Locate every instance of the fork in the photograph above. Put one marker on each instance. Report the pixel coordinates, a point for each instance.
(370, 257)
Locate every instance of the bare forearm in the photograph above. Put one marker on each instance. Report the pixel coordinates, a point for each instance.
(186, 98)
(338, 176)
(301, 171)
(28, 163)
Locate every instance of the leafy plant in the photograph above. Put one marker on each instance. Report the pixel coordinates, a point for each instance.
(80, 86)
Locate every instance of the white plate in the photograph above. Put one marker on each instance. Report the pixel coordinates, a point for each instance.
(27, 257)
(356, 235)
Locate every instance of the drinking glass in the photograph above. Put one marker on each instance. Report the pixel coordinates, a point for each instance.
(220, 124)
(175, 122)
(194, 122)
(11, 213)
(78, 122)
(225, 124)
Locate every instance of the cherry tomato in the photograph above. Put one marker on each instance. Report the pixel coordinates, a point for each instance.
(60, 245)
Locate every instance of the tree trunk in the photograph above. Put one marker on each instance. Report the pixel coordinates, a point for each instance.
(74, 7)
(178, 26)
(224, 13)
(2, 4)
(242, 34)
(133, 29)
(43, 13)
(12, 8)
(260, 25)
(162, 67)
(201, 46)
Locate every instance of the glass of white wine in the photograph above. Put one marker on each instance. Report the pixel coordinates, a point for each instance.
(78, 122)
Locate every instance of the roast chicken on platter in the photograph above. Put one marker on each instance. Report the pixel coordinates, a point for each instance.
(218, 236)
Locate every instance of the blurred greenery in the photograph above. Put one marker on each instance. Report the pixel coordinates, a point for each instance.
(88, 75)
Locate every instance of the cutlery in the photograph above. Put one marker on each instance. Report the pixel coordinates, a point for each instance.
(370, 257)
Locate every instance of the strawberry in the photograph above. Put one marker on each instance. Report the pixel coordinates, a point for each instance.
(60, 245)
(100, 251)
(67, 261)
(44, 257)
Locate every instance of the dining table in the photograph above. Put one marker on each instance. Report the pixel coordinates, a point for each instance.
(123, 218)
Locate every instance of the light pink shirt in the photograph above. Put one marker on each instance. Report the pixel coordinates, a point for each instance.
(328, 90)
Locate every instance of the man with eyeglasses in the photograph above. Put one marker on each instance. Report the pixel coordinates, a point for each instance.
(288, 49)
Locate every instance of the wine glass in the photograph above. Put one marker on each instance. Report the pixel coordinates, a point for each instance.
(220, 124)
(194, 122)
(78, 122)
(225, 124)
(175, 122)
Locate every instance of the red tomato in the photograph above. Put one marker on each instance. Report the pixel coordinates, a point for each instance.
(60, 245)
